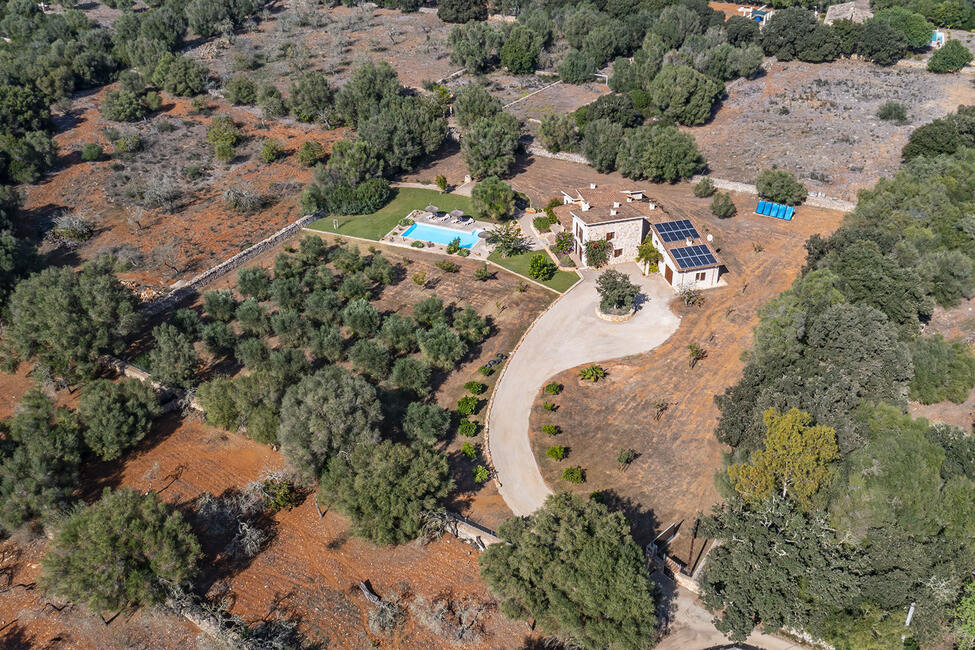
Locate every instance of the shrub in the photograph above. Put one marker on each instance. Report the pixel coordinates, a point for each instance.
(550, 429)
(558, 133)
(486, 371)
(370, 358)
(311, 152)
(442, 346)
(893, 112)
(448, 266)
(781, 187)
(116, 415)
(480, 474)
(126, 145)
(469, 450)
(597, 252)
(704, 188)
(254, 282)
(475, 387)
(224, 152)
(240, 90)
(467, 428)
(625, 457)
(271, 150)
(91, 152)
(549, 406)
(592, 373)
(556, 452)
(482, 273)
(564, 243)
(722, 206)
(553, 388)
(123, 106)
(419, 278)
(573, 474)
(467, 405)
(541, 267)
(952, 57)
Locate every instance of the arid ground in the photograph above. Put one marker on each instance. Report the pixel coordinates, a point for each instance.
(672, 478)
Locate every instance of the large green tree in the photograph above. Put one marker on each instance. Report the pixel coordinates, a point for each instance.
(67, 320)
(121, 552)
(490, 144)
(386, 489)
(38, 460)
(552, 567)
(116, 415)
(325, 413)
(684, 94)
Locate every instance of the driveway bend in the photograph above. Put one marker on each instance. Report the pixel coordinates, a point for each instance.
(567, 335)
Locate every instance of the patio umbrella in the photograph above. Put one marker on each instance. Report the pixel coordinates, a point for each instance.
(457, 214)
(432, 208)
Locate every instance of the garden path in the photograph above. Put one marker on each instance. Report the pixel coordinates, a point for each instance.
(565, 336)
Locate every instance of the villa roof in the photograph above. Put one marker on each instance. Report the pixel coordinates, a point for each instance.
(608, 205)
(687, 240)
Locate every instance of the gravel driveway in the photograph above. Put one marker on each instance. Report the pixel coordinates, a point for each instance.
(565, 336)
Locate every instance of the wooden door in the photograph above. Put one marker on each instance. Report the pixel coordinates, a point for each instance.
(668, 274)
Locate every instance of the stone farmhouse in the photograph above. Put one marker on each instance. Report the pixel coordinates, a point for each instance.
(625, 218)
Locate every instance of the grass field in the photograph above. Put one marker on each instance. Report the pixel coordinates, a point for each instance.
(374, 226)
(560, 282)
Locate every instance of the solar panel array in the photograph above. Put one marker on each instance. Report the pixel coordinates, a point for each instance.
(672, 231)
(690, 257)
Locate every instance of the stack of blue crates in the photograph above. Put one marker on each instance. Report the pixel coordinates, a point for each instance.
(776, 210)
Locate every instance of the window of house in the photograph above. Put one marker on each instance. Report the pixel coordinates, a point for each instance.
(699, 276)
(609, 235)
(617, 252)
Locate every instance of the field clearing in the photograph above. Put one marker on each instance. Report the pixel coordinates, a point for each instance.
(672, 479)
(295, 39)
(374, 226)
(167, 243)
(819, 121)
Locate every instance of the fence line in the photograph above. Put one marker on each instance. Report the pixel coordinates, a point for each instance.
(179, 294)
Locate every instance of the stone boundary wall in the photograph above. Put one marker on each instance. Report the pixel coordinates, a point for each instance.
(177, 295)
(815, 199)
(538, 150)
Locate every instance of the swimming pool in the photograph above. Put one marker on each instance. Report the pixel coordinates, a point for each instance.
(438, 235)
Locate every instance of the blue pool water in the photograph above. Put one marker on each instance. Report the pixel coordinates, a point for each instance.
(439, 235)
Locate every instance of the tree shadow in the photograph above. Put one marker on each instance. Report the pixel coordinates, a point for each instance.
(96, 475)
(643, 522)
(219, 529)
(16, 637)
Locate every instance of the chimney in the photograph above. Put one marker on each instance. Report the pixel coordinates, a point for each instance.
(612, 213)
(688, 241)
(616, 204)
(629, 199)
(584, 206)
(592, 186)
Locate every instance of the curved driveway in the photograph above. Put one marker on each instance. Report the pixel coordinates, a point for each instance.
(565, 336)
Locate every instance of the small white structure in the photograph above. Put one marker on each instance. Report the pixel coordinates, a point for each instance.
(688, 261)
(625, 218)
(937, 39)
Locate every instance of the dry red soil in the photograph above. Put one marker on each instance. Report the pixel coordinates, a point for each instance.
(173, 245)
(672, 479)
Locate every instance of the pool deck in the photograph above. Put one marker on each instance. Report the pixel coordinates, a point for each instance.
(478, 250)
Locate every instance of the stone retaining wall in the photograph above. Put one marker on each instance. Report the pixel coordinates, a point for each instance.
(179, 294)
(818, 200)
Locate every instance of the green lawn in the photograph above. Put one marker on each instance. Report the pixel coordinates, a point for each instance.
(375, 225)
(519, 264)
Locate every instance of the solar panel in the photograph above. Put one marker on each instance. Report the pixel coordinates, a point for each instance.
(671, 231)
(690, 257)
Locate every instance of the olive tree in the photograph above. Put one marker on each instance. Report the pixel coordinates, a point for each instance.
(325, 413)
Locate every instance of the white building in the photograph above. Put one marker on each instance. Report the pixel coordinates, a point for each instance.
(624, 218)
